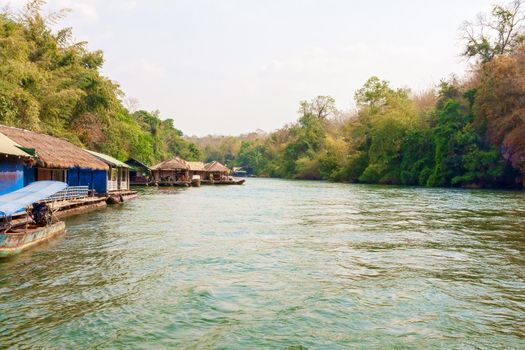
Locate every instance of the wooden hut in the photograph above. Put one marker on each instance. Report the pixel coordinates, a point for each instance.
(139, 174)
(216, 171)
(197, 169)
(118, 174)
(171, 172)
(58, 160)
(12, 161)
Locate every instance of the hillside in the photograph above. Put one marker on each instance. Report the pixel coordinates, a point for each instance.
(50, 84)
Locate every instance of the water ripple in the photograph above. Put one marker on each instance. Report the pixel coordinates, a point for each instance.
(277, 264)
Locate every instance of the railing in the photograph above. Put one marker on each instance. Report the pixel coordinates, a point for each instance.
(68, 193)
(112, 185)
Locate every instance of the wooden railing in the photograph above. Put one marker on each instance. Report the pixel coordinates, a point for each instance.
(112, 185)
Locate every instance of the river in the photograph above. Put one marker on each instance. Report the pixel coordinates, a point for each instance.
(277, 264)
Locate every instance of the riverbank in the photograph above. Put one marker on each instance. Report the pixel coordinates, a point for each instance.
(274, 264)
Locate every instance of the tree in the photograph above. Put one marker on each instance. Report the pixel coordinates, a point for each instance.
(321, 107)
(50, 84)
(500, 106)
(500, 33)
(376, 94)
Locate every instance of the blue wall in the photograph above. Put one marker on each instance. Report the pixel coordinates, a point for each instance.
(72, 177)
(85, 177)
(100, 180)
(11, 174)
(94, 179)
(29, 175)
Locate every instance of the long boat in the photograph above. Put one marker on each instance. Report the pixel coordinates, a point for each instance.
(121, 197)
(40, 224)
(230, 181)
(225, 181)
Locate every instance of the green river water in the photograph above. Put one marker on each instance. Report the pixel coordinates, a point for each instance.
(277, 264)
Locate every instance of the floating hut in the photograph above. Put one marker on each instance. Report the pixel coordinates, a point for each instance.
(117, 180)
(139, 173)
(197, 169)
(171, 172)
(58, 160)
(118, 174)
(216, 171)
(12, 161)
(197, 173)
(219, 174)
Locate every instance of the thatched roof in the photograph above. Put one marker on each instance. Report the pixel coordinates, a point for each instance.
(196, 166)
(174, 163)
(216, 167)
(53, 152)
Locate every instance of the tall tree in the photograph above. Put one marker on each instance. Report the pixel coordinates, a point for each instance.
(499, 33)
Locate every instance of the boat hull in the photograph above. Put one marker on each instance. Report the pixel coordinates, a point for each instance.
(174, 184)
(228, 182)
(116, 198)
(13, 243)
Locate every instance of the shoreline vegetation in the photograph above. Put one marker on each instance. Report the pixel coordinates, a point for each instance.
(467, 132)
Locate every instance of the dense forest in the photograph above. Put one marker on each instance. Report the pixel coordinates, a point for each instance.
(465, 133)
(50, 84)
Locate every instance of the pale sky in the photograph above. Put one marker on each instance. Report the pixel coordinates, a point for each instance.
(234, 66)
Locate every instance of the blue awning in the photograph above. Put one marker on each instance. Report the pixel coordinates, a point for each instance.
(17, 201)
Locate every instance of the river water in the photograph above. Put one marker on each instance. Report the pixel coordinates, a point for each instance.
(277, 264)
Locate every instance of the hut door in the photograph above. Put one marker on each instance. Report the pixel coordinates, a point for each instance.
(43, 174)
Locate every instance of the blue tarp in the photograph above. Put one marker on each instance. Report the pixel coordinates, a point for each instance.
(16, 201)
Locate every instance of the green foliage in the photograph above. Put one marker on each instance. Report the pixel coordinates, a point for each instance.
(497, 34)
(456, 137)
(50, 85)
(390, 140)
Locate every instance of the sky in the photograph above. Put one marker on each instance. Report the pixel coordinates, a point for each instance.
(234, 66)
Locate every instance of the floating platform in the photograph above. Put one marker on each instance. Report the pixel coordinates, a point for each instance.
(79, 206)
(16, 240)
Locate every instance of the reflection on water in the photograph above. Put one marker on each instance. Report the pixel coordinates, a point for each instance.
(277, 264)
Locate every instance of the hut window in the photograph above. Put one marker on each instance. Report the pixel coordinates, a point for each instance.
(59, 175)
(51, 174)
(114, 173)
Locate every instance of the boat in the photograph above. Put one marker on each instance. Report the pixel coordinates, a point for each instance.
(196, 181)
(230, 180)
(40, 224)
(239, 172)
(173, 184)
(16, 240)
(121, 197)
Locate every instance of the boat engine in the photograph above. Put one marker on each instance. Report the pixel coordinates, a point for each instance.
(41, 214)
